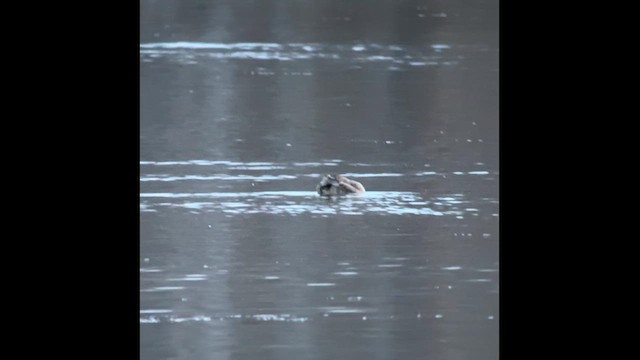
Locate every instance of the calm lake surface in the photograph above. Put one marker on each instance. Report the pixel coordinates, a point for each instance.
(244, 105)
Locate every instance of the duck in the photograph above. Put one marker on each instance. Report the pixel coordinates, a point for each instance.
(336, 184)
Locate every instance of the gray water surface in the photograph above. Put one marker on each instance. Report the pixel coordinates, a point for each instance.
(244, 106)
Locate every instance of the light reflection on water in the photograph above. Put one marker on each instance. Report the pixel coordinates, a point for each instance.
(295, 202)
(280, 202)
(191, 53)
(341, 297)
(244, 106)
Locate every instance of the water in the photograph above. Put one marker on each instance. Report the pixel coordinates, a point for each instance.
(244, 105)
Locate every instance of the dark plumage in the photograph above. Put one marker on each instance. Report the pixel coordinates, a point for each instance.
(332, 185)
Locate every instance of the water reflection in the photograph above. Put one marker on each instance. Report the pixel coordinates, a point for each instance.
(395, 57)
(244, 106)
(295, 202)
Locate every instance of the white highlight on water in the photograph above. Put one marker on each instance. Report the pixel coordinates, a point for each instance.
(192, 52)
(343, 310)
(452, 268)
(321, 284)
(258, 178)
(478, 280)
(193, 277)
(155, 311)
(149, 320)
(279, 317)
(163, 288)
(193, 318)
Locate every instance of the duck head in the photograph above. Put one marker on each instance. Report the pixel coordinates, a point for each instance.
(329, 185)
(336, 184)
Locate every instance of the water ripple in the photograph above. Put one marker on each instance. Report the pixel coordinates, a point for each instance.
(299, 202)
(194, 52)
(258, 178)
(200, 174)
(154, 319)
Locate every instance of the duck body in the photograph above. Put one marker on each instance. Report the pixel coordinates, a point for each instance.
(336, 185)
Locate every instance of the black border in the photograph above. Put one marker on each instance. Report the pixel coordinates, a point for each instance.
(81, 175)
